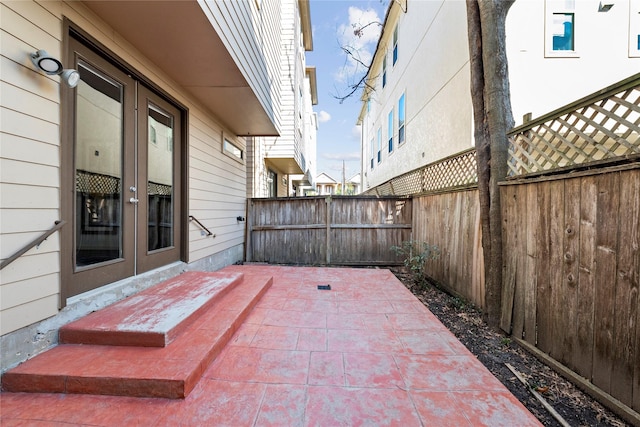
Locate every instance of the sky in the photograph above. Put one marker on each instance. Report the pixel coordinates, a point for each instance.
(333, 23)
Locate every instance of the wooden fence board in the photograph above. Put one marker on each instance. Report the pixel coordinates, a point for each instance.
(544, 316)
(556, 268)
(605, 277)
(509, 234)
(571, 270)
(586, 278)
(521, 264)
(530, 284)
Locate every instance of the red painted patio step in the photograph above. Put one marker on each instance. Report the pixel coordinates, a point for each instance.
(153, 317)
(169, 372)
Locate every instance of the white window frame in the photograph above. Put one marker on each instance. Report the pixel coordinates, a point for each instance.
(402, 113)
(553, 7)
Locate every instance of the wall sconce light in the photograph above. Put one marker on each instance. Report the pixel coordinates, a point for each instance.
(52, 66)
(240, 218)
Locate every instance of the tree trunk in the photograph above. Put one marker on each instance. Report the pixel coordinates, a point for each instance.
(492, 119)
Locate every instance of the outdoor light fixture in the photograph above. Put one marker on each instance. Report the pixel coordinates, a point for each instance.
(52, 66)
(605, 7)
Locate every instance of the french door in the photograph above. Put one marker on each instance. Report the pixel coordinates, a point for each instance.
(121, 176)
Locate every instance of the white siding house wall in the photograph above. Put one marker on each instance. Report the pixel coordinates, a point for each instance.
(241, 26)
(284, 154)
(30, 140)
(433, 75)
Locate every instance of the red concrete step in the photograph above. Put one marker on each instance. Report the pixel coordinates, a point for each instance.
(169, 372)
(153, 317)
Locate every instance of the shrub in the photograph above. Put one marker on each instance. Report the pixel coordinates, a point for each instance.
(414, 256)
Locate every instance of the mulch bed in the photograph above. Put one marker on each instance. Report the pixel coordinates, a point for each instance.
(494, 350)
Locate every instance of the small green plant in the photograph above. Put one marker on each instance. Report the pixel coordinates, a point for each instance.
(505, 341)
(415, 255)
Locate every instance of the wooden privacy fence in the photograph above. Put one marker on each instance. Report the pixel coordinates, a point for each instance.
(571, 215)
(338, 230)
(572, 278)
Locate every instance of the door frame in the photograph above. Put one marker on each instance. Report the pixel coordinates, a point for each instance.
(67, 149)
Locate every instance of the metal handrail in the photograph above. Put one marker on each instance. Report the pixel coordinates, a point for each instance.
(193, 218)
(35, 242)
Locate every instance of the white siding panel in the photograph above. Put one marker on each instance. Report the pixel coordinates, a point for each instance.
(18, 99)
(28, 267)
(18, 293)
(37, 15)
(27, 150)
(21, 220)
(16, 123)
(26, 314)
(13, 242)
(24, 196)
(15, 172)
(29, 33)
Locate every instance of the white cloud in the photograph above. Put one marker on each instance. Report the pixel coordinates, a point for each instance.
(360, 37)
(323, 116)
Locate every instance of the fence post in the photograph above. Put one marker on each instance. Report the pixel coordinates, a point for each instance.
(327, 200)
(248, 228)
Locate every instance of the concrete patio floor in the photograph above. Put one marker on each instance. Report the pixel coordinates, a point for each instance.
(365, 352)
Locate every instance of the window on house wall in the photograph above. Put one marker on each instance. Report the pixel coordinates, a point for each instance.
(379, 145)
(372, 151)
(272, 184)
(395, 44)
(562, 25)
(232, 150)
(401, 119)
(384, 71)
(390, 130)
(560, 37)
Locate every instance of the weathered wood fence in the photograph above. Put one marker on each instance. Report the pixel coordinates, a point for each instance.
(571, 215)
(338, 230)
(572, 273)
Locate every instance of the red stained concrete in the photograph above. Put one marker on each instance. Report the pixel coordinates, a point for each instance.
(364, 353)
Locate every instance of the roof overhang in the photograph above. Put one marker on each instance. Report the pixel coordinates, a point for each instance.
(305, 21)
(178, 37)
(313, 83)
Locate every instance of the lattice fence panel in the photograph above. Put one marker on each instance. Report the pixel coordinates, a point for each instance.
(599, 129)
(452, 172)
(96, 183)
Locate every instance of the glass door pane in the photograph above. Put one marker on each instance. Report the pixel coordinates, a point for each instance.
(160, 179)
(98, 168)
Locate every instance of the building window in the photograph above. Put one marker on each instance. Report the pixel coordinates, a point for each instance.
(232, 150)
(384, 71)
(390, 130)
(562, 28)
(395, 45)
(401, 119)
(372, 151)
(272, 183)
(379, 145)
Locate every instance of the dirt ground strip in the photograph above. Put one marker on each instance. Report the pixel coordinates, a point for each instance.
(495, 350)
